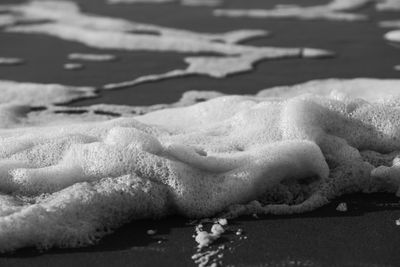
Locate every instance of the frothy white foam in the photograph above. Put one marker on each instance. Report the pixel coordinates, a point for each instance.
(66, 183)
(36, 94)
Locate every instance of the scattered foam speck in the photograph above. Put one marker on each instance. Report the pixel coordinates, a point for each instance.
(151, 232)
(205, 255)
(342, 207)
(73, 66)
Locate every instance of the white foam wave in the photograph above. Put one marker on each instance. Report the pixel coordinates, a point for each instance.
(285, 150)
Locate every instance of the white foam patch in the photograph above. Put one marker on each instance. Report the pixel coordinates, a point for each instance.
(11, 61)
(6, 20)
(210, 3)
(390, 23)
(91, 57)
(73, 66)
(221, 67)
(139, 1)
(337, 10)
(36, 94)
(342, 89)
(68, 12)
(393, 36)
(388, 5)
(110, 111)
(69, 23)
(68, 182)
(183, 2)
(124, 41)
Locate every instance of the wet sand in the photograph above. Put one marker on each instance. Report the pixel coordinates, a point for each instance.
(366, 235)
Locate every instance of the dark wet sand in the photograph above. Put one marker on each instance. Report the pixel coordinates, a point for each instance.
(366, 235)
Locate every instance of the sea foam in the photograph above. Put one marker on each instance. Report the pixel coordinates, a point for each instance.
(67, 183)
(335, 10)
(37, 94)
(64, 19)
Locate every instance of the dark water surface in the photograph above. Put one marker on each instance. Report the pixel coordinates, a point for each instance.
(366, 235)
